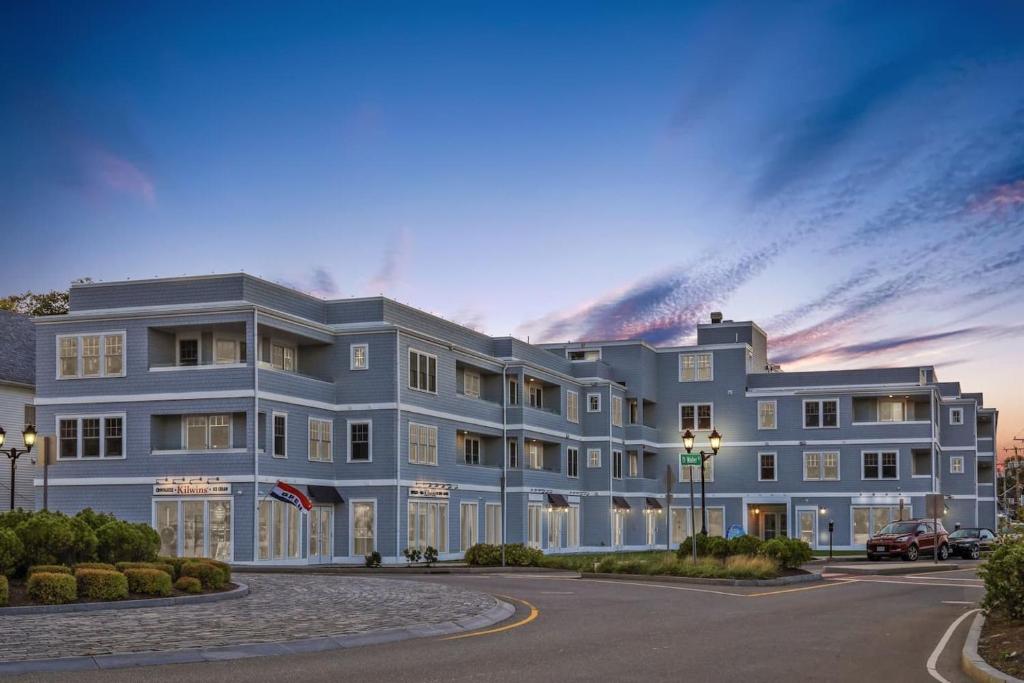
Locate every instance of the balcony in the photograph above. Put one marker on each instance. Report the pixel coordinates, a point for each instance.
(197, 347)
(892, 410)
(198, 433)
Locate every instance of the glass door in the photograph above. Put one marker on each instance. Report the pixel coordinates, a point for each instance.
(807, 522)
(320, 541)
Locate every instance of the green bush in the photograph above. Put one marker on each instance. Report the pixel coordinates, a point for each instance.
(11, 519)
(412, 555)
(47, 539)
(372, 559)
(483, 555)
(160, 566)
(52, 589)
(101, 584)
(718, 547)
(11, 552)
(790, 553)
(224, 567)
(95, 519)
(189, 584)
(430, 555)
(175, 562)
(49, 569)
(519, 555)
(1003, 574)
(5, 591)
(83, 542)
(148, 581)
(703, 547)
(120, 541)
(96, 565)
(745, 545)
(209, 575)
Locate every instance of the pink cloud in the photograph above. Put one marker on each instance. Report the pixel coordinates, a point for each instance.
(120, 175)
(1005, 196)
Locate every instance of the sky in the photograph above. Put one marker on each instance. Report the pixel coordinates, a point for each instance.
(848, 175)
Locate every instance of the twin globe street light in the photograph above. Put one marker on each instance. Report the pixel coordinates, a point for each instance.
(29, 438)
(715, 439)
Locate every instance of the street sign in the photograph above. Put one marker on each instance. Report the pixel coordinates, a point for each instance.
(935, 505)
(692, 459)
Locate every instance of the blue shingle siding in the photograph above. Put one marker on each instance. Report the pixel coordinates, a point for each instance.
(326, 387)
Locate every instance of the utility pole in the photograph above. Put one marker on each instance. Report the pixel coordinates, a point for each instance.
(1008, 490)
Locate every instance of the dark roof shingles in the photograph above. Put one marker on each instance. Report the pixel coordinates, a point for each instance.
(17, 348)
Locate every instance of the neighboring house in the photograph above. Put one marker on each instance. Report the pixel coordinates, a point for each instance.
(180, 402)
(17, 379)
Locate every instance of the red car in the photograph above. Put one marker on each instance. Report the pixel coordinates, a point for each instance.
(909, 539)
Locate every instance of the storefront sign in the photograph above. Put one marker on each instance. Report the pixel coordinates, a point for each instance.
(192, 488)
(430, 489)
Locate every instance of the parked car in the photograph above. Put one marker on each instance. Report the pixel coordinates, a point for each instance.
(970, 543)
(908, 540)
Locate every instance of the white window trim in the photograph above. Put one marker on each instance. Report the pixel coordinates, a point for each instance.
(352, 524)
(695, 355)
(960, 412)
(577, 475)
(775, 415)
(330, 451)
(963, 464)
(209, 448)
(191, 336)
(476, 523)
(880, 477)
(273, 415)
(568, 352)
(235, 339)
(103, 354)
(465, 385)
(821, 413)
(618, 453)
(697, 518)
(487, 509)
(568, 413)
(437, 444)
(821, 465)
(369, 439)
(480, 450)
(679, 415)
(775, 465)
(352, 356)
(206, 520)
(80, 445)
(437, 373)
(710, 477)
(617, 411)
(599, 458)
(598, 408)
(284, 345)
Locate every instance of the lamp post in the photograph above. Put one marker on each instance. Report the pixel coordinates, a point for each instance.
(28, 435)
(831, 527)
(715, 439)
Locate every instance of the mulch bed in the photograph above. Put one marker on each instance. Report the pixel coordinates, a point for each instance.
(19, 595)
(1002, 645)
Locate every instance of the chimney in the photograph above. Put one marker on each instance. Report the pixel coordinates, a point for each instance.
(716, 317)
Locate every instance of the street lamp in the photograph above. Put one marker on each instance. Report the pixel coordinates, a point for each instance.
(715, 439)
(28, 436)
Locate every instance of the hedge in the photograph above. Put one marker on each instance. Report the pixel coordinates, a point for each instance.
(101, 584)
(210, 575)
(160, 566)
(52, 589)
(189, 584)
(124, 541)
(175, 562)
(516, 555)
(790, 553)
(1003, 575)
(148, 581)
(11, 552)
(49, 569)
(96, 565)
(5, 591)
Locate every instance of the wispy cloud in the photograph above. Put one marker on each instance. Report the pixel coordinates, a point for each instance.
(318, 282)
(392, 267)
(107, 171)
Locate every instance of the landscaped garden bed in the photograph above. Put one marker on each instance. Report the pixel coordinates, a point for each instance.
(1001, 644)
(50, 558)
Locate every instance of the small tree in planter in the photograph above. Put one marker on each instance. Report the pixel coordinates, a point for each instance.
(372, 559)
(430, 555)
(412, 556)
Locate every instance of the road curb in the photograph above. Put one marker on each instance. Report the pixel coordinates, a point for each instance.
(397, 571)
(781, 581)
(239, 591)
(972, 663)
(498, 613)
(876, 570)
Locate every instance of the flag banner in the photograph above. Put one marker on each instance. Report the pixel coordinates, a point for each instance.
(291, 495)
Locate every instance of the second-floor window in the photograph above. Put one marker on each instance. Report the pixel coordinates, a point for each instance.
(536, 396)
(634, 464)
(320, 440)
(617, 411)
(696, 367)
(823, 466)
(766, 467)
(280, 440)
(695, 416)
(956, 464)
(90, 355)
(471, 450)
(188, 352)
(359, 357)
(422, 371)
(819, 414)
(513, 392)
(359, 441)
(228, 351)
(634, 412)
(282, 357)
(422, 444)
(534, 456)
(616, 464)
(471, 384)
(90, 437)
(593, 403)
(207, 432)
(881, 465)
(572, 406)
(956, 416)
(572, 462)
(766, 415)
(513, 453)
(687, 471)
(593, 457)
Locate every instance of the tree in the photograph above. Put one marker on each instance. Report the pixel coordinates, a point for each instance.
(46, 303)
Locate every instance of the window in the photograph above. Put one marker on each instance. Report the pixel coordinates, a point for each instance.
(891, 410)
(225, 351)
(883, 465)
(90, 355)
(956, 416)
(207, 432)
(696, 367)
(616, 464)
(554, 528)
(634, 412)
(617, 411)
(572, 462)
(536, 392)
(199, 528)
(422, 371)
(90, 437)
(593, 403)
(359, 449)
(682, 523)
(364, 527)
(696, 417)
(534, 456)
(359, 357)
(471, 450)
(593, 457)
(868, 520)
(819, 414)
(280, 435)
(534, 514)
(428, 524)
(422, 444)
(492, 524)
(468, 525)
(956, 464)
(513, 392)
(320, 440)
(513, 454)
(188, 352)
(572, 406)
(651, 522)
(766, 467)
(572, 526)
(821, 466)
(767, 415)
(471, 384)
(687, 471)
(634, 464)
(584, 354)
(220, 431)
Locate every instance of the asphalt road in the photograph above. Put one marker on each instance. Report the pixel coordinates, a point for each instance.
(845, 629)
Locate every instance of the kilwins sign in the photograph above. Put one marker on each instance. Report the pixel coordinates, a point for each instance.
(430, 489)
(192, 488)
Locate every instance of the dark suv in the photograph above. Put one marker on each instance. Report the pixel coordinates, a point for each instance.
(970, 543)
(909, 540)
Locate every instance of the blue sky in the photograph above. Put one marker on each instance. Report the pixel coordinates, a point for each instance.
(850, 175)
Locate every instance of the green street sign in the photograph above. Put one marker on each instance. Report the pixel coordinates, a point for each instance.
(691, 459)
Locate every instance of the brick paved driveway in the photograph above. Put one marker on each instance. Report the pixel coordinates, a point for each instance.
(280, 607)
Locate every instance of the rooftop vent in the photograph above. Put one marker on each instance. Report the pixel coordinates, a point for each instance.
(716, 317)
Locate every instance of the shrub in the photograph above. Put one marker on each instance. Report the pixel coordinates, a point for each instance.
(11, 552)
(718, 547)
(83, 542)
(224, 567)
(430, 555)
(49, 569)
(5, 591)
(189, 584)
(750, 567)
(175, 562)
(95, 519)
(159, 566)
(148, 581)
(120, 541)
(686, 547)
(46, 537)
(100, 584)
(373, 559)
(51, 588)
(745, 545)
(412, 555)
(97, 565)
(1003, 575)
(209, 575)
(483, 555)
(519, 555)
(11, 519)
(790, 553)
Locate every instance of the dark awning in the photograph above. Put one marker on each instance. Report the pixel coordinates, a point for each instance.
(653, 504)
(324, 494)
(557, 500)
(620, 503)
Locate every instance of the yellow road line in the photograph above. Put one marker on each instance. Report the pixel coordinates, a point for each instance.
(831, 583)
(522, 622)
(828, 584)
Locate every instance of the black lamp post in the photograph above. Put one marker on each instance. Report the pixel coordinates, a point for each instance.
(29, 437)
(715, 440)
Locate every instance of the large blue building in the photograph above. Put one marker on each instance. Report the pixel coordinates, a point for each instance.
(180, 402)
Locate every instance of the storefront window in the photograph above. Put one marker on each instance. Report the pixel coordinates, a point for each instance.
(220, 530)
(362, 528)
(280, 531)
(192, 516)
(264, 530)
(166, 525)
(428, 525)
(196, 527)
